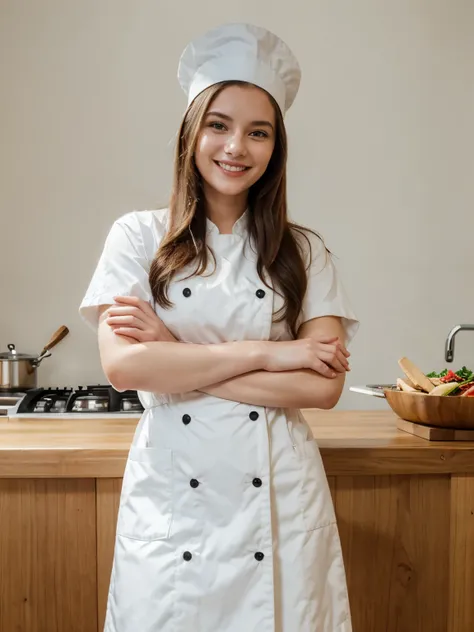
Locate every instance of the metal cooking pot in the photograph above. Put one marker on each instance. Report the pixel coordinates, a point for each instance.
(18, 371)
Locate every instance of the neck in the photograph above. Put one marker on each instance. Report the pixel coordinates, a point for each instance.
(224, 210)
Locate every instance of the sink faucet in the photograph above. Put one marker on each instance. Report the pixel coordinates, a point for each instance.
(449, 349)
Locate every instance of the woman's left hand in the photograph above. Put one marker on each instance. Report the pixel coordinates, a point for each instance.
(135, 318)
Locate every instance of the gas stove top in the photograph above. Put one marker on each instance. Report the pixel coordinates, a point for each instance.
(68, 401)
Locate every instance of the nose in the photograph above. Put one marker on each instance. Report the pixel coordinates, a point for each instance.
(235, 145)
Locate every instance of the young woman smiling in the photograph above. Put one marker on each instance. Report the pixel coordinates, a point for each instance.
(227, 318)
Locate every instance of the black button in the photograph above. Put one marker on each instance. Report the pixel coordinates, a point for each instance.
(186, 292)
(260, 293)
(187, 556)
(254, 415)
(186, 419)
(259, 556)
(194, 483)
(257, 482)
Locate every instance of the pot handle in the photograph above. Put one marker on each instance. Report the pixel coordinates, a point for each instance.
(58, 335)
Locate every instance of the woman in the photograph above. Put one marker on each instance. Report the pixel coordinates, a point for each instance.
(226, 522)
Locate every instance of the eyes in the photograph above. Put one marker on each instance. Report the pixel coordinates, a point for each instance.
(220, 127)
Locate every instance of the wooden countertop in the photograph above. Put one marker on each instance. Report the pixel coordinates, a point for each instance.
(352, 443)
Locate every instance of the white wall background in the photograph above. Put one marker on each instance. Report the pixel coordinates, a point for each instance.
(381, 159)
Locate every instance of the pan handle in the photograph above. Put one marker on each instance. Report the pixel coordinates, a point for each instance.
(58, 335)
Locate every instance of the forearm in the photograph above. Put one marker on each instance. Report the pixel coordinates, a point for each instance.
(174, 367)
(288, 389)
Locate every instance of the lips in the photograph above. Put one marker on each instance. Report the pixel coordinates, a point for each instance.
(231, 169)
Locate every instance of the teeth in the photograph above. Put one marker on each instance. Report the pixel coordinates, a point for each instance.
(229, 168)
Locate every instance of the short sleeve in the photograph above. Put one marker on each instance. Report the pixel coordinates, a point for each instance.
(326, 295)
(122, 269)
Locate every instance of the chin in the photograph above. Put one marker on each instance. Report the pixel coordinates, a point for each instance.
(230, 189)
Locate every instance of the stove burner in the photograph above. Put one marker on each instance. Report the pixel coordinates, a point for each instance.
(90, 399)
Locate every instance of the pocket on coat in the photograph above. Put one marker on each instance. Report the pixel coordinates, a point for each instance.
(146, 501)
(315, 495)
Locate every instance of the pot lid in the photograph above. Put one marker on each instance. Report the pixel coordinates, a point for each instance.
(13, 354)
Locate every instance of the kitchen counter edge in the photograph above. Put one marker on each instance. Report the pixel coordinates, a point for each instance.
(352, 443)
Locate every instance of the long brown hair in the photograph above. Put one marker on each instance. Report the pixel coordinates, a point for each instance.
(280, 251)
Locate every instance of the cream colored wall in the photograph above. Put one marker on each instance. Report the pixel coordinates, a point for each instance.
(381, 162)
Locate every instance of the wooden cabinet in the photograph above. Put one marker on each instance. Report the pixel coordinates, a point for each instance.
(395, 532)
(48, 555)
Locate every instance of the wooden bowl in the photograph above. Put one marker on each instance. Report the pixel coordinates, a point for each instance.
(432, 410)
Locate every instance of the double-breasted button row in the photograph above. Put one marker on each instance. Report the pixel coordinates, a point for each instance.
(259, 293)
(257, 482)
(253, 415)
(187, 556)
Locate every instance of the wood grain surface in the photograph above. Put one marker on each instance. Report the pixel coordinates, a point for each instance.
(352, 443)
(48, 556)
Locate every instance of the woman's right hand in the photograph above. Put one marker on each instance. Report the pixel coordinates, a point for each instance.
(325, 355)
(135, 318)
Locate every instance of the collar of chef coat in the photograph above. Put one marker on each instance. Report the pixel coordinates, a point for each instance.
(239, 228)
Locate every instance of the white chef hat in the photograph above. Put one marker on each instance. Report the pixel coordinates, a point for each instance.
(240, 52)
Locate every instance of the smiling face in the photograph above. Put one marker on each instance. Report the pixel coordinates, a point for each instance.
(236, 140)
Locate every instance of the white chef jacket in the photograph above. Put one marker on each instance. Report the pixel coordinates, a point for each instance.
(226, 522)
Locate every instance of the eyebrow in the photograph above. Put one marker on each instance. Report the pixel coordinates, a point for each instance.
(225, 117)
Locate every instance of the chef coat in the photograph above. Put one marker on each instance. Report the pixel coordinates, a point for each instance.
(226, 522)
